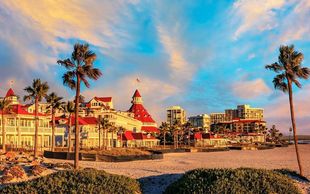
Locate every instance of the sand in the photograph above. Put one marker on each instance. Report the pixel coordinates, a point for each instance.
(157, 174)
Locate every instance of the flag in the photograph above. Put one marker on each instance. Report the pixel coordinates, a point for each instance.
(11, 83)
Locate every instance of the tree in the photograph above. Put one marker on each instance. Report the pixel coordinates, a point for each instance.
(4, 106)
(289, 69)
(274, 134)
(176, 127)
(79, 69)
(187, 126)
(69, 108)
(112, 129)
(55, 103)
(164, 128)
(36, 92)
(121, 131)
(105, 125)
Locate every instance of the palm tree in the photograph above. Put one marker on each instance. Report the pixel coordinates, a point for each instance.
(54, 104)
(175, 130)
(69, 108)
(121, 131)
(79, 69)
(105, 125)
(36, 92)
(187, 126)
(112, 129)
(4, 106)
(289, 69)
(164, 129)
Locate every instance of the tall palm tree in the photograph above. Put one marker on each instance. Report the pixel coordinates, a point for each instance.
(164, 128)
(289, 69)
(69, 108)
(4, 106)
(176, 127)
(112, 129)
(121, 131)
(187, 126)
(55, 104)
(105, 125)
(80, 68)
(36, 92)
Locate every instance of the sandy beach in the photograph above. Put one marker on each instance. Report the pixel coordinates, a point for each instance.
(157, 174)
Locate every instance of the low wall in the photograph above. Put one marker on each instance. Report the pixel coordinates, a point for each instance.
(106, 158)
(61, 155)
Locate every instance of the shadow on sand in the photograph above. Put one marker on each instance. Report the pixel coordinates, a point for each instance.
(157, 184)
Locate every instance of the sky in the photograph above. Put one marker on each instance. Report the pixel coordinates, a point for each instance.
(206, 56)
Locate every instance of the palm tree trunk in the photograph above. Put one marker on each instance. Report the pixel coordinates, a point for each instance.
(189, 137)
(294, 126)
(99, 136)
(3, 132)
(36, 128)
(121, 139)
(164, 139)
(103, 138)
(53, 130)
(77, 130)
(112, 142)
(69, 136)
(106, 138)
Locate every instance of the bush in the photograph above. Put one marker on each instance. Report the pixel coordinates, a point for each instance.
(81, 181)
(242, 180)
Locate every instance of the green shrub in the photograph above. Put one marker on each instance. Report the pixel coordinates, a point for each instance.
(242, 180)
(81, 181)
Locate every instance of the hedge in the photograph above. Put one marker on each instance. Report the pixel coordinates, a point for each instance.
(81, 181)
(242, 180)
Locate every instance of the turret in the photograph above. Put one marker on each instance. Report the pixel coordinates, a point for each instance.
(136, 98)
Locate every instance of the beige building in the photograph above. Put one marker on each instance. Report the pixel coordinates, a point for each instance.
(176, 113)
(217, 117)
(202, 121)
(19, 124)
(247, 112)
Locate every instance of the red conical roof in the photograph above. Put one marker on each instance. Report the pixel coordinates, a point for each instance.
(10, 93)
(136, 94)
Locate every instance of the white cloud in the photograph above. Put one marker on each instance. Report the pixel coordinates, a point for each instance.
(250, 89)
(256, 15)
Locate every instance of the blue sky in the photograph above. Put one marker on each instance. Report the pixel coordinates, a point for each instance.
(203, 55)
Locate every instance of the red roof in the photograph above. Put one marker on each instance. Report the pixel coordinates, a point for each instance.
(104, 99)
(129, 135)
(21, 110)
(150, 129)
(136, 94)
(141, 114)
(10, 92)
(81, 120)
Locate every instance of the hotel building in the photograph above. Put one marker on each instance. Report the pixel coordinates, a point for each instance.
(217, 117)
(19, 124)
(202, 121)
(176, 114)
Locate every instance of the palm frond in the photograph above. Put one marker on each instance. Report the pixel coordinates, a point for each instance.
(275, 67)
(67, 63)
(68, 79)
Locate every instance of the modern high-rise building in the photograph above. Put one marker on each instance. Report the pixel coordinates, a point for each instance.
(217, 118)
(176, 113)
(231, 114)
(245, 111)
(202, 121)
